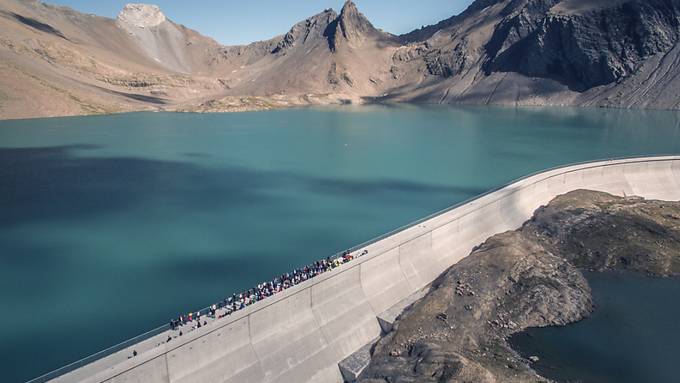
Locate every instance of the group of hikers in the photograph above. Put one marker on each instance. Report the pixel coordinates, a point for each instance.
(240, 301)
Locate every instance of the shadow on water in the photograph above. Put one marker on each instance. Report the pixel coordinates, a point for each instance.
(42, 184)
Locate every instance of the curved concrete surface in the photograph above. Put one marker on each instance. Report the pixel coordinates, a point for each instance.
(301, 334)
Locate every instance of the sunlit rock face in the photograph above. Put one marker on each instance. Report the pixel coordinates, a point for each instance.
(156, 36)
(141, 15)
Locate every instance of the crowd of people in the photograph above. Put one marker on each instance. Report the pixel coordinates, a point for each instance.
(264, 290)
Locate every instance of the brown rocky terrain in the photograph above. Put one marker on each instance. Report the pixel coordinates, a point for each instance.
(525, 278)
(616, 53)
(56, 61)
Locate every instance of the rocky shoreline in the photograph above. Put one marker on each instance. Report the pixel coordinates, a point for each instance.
(526, 278)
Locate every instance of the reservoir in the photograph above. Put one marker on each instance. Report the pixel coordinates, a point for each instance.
(631, 337)
(112, 225)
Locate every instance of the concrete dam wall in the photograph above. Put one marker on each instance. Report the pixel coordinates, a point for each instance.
(301, 334)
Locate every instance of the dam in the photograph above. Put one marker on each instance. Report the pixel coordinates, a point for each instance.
(303, 333)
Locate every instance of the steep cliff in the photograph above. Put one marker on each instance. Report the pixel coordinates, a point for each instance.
(620, 53)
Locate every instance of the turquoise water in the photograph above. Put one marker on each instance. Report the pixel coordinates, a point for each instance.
(632, 336)
(111, 225)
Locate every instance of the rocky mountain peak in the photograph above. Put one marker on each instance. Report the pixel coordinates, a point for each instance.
(310, 29)
(141, 15)
(353, 24)
(350, 9)
(352, 28)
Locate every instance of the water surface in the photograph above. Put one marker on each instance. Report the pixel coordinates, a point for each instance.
(633, 335)
(111, 225)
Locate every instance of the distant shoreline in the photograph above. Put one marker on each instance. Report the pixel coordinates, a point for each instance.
(305, 106)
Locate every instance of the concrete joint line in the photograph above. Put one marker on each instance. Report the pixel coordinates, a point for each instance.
(167, 367)
(316, 320)
(250, 342)
(401, 268)
(363, 291)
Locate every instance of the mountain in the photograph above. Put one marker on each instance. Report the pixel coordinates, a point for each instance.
(328, 58)
(56, 61)
(616, 53)
(173, 46)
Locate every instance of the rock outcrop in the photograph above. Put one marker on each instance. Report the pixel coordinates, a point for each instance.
(597, 231)
(170, 45)
(314, 28)
(583, 46)
(524, 278)
(353, 28)
(457, 333)
(620, 53)
(141, 16)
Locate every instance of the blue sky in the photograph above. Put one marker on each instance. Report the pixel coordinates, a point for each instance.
(244, 21)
